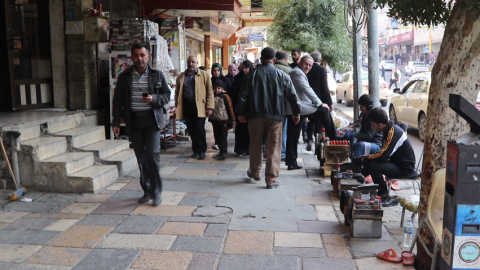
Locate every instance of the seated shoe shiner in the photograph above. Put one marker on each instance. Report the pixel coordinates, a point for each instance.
(396, 157)
(368, 141)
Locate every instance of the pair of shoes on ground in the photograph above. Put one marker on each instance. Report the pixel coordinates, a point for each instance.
(273, 185)
(200, 155)
(156, 201)
(408, 258)
(294, 167)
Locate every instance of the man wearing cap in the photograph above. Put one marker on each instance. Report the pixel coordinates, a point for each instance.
(262, 103)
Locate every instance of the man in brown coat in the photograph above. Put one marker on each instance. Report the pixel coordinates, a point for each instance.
(194, 101)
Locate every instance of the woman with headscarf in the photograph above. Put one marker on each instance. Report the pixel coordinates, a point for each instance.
(217, 74)
(232, 71)
(242, 137)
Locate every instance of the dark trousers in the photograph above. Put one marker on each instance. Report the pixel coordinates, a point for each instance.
(377, 169)
(393, 82)
(242, 138)
(145, 138)
(293, 134)
(323, 116)
(195, 126)
(220, 133)
(314, 126)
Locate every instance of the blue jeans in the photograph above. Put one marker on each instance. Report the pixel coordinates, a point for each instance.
(359, 149)
(284, 138)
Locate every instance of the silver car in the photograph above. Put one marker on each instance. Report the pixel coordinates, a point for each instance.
(387, 65)
(415, 66)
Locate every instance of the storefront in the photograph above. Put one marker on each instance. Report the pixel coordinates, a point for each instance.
(422, 41)
(400, 47)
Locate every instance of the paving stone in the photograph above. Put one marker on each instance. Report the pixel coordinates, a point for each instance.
(58, 256)
(108, 191)
(325, 213)
(37, 215)
(203, 194)
(319, 226)
(203, 261)
(137, 241)
(164, 260)
(117, 206)
(212, 211)
(195, 172)
(241, 167)
(27, 237)
(193, 166)
(370, 248)
(16, 253)
(40, 207)
(329, 263)
(182, 228)
(57, 197)
(335, 246)
(133, 185)
(175, 164)
(61, 225)
(321, 192)
(300, 252)
(127, 195)
(107, 259)
(80, 208)
(216, 230)
(116, 186)
(140, 224)
(310, 161)
(32, 224)
(8, 265)
(164, 210)
(198, 244)
(199, 201)
(313, 173)
(222, 167)
(249, 243)
(3, 225)
(366, 264)
(314, 200)
(102, 220)
(172, 197)
(212, 220)
(241, 262)
(81, 236)
(296, 239)
(168, 170)
(66, 216)
(28, 266)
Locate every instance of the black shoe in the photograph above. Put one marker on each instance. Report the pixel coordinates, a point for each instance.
(390, 201)
(359, 177)
(309, 146)
(221, 157)
(274, 185)
(294, 167)
(144, 199)
(194, 155)
(249, 174)
(201, 156)
(157, 200)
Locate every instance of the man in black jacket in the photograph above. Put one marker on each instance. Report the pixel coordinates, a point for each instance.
(317, 78)
(395, 159)
(140, 94)
(262, 101)
(369, 141)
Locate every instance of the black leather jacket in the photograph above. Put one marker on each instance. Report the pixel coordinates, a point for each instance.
(367, 133)
(264, 92)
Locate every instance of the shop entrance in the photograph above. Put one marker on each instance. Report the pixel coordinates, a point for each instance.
(27, 48)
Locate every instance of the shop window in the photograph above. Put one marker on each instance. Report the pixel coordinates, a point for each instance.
(120, 9)
(217, 55)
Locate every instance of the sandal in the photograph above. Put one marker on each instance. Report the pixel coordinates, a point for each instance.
(408, 258)
(389, 255)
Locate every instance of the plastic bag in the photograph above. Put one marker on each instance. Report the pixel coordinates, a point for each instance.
(410, 203)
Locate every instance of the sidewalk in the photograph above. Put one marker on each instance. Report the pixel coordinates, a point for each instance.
(212, 217)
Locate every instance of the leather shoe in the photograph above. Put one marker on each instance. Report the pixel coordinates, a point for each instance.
(309, 145)
(249, 174)
(390, 201)
(294, 167)
(144, 199)
(157, 200)
(194, 155)
(201, 156)
(274, 185)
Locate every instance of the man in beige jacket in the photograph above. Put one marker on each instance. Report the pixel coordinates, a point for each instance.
(194, 101)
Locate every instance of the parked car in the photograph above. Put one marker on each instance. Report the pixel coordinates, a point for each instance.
(345, 89)
(409, 104)
(332, 84)
(414, 67)
(387, 64)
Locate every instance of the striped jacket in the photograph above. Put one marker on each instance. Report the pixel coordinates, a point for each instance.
(395, 147)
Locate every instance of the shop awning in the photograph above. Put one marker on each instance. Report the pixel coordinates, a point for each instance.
(252, 50)
(197, 8)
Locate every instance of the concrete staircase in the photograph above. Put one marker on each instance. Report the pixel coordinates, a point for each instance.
(75, 159)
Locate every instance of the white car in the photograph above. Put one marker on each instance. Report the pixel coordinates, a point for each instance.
(345, 89)
(409, 104)
(387, 65)
(414, 67)
(332, 84)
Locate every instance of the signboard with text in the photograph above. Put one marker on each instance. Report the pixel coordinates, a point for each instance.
(408, 36)
(255, 37)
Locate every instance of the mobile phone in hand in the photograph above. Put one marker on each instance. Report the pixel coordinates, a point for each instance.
(145, 94)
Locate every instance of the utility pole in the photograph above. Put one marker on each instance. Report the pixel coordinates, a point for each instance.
(372, 27)
(357, 62)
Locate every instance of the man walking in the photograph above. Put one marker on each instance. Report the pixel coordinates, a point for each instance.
(395, 78)
(195, 101)
(296, 53)
(262, 102)
(281, 63)
(140, 94)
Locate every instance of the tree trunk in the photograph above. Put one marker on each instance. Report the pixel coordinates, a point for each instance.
(456, 71)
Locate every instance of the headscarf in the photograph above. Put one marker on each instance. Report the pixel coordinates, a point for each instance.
(221, 77)
(231, 77)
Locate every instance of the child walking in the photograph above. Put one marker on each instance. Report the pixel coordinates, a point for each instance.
(222, 118)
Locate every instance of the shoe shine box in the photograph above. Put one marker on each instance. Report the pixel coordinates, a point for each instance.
(366, 217)
(336, 154)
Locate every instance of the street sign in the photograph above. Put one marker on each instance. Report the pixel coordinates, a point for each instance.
(255, 37)
(426, 50)
(394, 23)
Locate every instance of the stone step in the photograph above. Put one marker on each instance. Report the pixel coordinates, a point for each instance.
(93, 179)
(68, 163)
(126, 161)
(45, 147)
(82, 136)
(105, 148)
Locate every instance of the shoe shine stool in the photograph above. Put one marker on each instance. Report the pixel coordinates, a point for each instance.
(366, 218)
